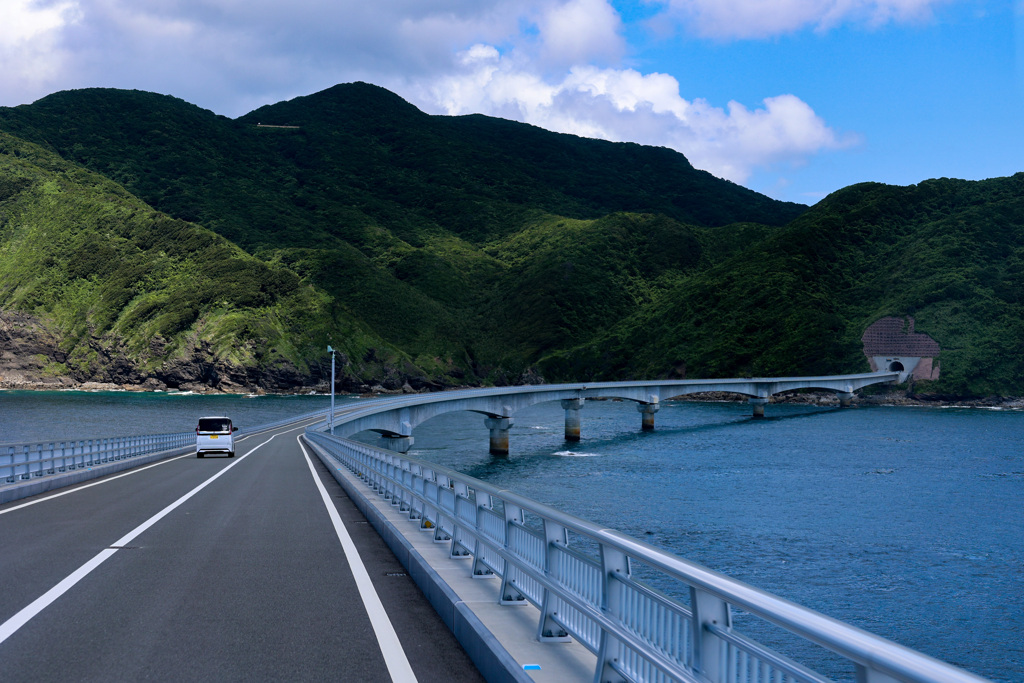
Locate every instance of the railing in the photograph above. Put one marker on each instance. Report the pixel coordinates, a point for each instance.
(585, 580)
(26, 461)
(23, 461)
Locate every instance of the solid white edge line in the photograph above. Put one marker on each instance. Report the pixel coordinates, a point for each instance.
(134, 470)
(11, 626)
(104, 480)
(390, 646)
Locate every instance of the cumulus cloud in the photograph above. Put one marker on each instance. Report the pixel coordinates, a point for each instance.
(580, 32)
(625, 105)
(30, 49)
(553, 63)
(230, 54)
(764, 18)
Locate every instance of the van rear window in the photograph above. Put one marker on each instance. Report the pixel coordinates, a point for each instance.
(215, 425)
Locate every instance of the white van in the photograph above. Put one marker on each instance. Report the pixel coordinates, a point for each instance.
(215, 435)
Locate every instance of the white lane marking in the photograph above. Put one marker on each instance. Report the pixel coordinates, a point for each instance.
(104, 480)
(11, 626)
(95, 483)
(390, 646)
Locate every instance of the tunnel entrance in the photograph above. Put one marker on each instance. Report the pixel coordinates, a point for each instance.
(892, 345)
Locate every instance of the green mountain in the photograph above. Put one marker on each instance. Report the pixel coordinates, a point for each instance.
(399, 218)
(96, 285)
(950, 253)
(461, 250)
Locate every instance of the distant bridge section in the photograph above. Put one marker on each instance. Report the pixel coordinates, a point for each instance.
(395, 418)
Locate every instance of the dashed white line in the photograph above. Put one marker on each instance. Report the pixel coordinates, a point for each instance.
(134, 470)
(104, 480)
(11, 626)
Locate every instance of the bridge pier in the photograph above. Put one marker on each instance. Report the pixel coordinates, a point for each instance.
(845, 399)
(396, 442)
(572, 408)
(499, 427)
(647, 411)
(758, 405)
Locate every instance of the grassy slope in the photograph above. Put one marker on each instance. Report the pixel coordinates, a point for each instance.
(948, 252)
(79, 251)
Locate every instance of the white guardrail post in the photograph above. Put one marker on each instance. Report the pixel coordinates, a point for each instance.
(709, 613)
(550, 629)
(614, 567)
(510, 593)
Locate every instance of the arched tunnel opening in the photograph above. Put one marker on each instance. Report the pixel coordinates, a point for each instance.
(896, 366)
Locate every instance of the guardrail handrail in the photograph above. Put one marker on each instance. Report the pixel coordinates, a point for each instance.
(637, 632)
(21, 461)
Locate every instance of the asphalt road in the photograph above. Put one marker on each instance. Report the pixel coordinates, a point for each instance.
(211, 569)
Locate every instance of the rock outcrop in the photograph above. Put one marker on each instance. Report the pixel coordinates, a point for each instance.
(32, 357)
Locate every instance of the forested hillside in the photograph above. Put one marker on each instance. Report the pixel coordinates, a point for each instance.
(948, 252)
(111, 290)
(171, 245)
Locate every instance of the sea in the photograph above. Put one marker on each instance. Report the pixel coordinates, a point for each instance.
(904, 521)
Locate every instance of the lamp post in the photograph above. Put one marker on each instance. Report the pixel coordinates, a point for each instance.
(331, 421)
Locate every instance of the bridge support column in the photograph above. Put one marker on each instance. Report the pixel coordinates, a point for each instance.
(845, 399)
(499, 427)
(399, 444)
(572, 408)
(647, 411)
(758, 404)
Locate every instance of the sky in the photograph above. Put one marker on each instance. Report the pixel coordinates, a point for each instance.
(791, 98)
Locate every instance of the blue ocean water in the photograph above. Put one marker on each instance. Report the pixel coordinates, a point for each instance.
(903, 521)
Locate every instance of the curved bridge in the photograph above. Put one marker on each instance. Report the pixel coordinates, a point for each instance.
(395, 418)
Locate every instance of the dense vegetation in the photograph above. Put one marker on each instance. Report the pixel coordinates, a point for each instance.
(948, 252)
(116, 278)
(448, 250)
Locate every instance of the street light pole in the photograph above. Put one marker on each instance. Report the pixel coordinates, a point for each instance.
(331, 421)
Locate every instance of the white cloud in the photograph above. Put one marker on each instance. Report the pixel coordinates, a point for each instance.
(625, 105)
(30, 49)
(581, 32)
(552, 63)
(765, 18)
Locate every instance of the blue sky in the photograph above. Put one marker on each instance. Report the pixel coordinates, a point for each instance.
(792, 98)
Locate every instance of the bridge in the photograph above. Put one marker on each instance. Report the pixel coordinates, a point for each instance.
(310, 555)
(394, 419)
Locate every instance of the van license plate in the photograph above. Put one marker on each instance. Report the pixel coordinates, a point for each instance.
(213, 436)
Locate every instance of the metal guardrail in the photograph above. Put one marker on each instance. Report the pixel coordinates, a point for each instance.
(25, 461)
(590, 589)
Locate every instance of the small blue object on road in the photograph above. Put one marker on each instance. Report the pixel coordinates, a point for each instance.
(531, 667)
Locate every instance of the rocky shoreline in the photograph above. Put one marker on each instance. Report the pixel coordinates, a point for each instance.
(814, 398)
(322, 389)
(31, 360)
